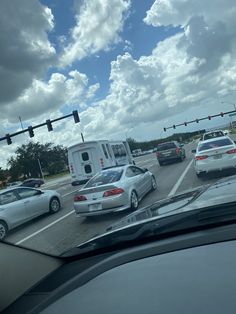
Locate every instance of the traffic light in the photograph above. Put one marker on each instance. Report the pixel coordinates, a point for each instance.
(174, 126)
(8, 138)
(76, 116)
(209, 117)
(49, 125)
(197, 120)
(185, 123)
(164, 129)
(31, 131)
(222, 114)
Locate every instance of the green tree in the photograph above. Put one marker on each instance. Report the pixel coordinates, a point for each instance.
(53, 159)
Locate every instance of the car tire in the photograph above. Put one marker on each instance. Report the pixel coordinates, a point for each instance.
(161, 163)
(3, 230)
(54, 205)
(200, 175)
(154, 183)
(134, 200)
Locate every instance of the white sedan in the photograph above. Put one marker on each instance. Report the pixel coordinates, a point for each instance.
(215, 154)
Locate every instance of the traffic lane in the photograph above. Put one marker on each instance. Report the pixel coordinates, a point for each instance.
(73, 230)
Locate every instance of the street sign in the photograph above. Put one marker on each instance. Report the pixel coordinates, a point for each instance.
(232, 114)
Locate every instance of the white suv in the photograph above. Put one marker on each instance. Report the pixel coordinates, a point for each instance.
(212, 134)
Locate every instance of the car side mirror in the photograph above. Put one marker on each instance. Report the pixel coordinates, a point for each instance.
(235, 142)
(40, 192)
(194, 151)
(145, 170)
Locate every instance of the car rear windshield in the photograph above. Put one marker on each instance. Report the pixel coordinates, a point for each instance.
(105, 177)
(215, 144)
(165, 146)
(213, 135)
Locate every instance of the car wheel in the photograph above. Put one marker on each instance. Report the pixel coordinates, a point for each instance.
(161, 163)
(154, 183)
(133, 200)
(3, 230)
(54, 205)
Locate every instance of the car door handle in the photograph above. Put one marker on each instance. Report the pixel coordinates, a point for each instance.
(26, 202)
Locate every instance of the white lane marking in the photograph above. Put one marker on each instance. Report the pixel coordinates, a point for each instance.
(177, 184)
(44, 228)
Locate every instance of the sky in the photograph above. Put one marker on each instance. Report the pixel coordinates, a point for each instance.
(129, 67)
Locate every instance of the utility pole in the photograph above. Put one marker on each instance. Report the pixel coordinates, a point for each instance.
(40, 167)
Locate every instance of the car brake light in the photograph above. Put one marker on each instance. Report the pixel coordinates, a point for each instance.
(113, 192)
(231, 151)
(201, 157)
(79, 198)
(178, 150)
(157, 154)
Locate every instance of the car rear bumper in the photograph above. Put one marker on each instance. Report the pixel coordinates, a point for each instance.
(214, 166)
(166, 158)
(105, 205)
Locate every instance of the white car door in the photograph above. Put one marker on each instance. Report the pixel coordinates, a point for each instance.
(12, 209)
(36, 202)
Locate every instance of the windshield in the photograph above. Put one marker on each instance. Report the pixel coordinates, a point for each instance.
(105, 177)
(105, 105)
(215, 144)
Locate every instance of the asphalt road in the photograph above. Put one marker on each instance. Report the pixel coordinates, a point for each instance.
(56, 233)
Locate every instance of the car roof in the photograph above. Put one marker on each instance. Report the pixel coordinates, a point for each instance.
(209, 132)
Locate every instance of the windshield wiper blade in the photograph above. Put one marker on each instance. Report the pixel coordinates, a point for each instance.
(163, 226)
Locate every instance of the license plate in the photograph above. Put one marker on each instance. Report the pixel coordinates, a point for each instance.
(95, 207)
(166, 153)
(218, 156)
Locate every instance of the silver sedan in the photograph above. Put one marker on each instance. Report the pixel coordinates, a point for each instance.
(21, 204)
(114, 189)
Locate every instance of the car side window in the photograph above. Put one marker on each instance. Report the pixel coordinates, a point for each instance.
(133, 171)
(26, 193)
(8, 197)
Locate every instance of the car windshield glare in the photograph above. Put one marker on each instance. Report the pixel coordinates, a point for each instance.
(215, 144)
(105, 177)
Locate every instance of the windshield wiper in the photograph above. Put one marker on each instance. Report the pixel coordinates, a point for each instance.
(162, 226)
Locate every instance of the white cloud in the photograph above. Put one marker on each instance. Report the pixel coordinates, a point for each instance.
(26, 52)
(98, 24)
(47, 97)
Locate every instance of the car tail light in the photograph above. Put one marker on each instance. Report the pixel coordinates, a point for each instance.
(201, 157)
(79, 198)
(231, 151)
(116, 191)
(178, 150)
(157, 154)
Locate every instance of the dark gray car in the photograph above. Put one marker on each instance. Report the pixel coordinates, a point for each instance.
(170, 151)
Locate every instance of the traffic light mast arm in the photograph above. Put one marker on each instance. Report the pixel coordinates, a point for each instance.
(31, 128)
(200, 119)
